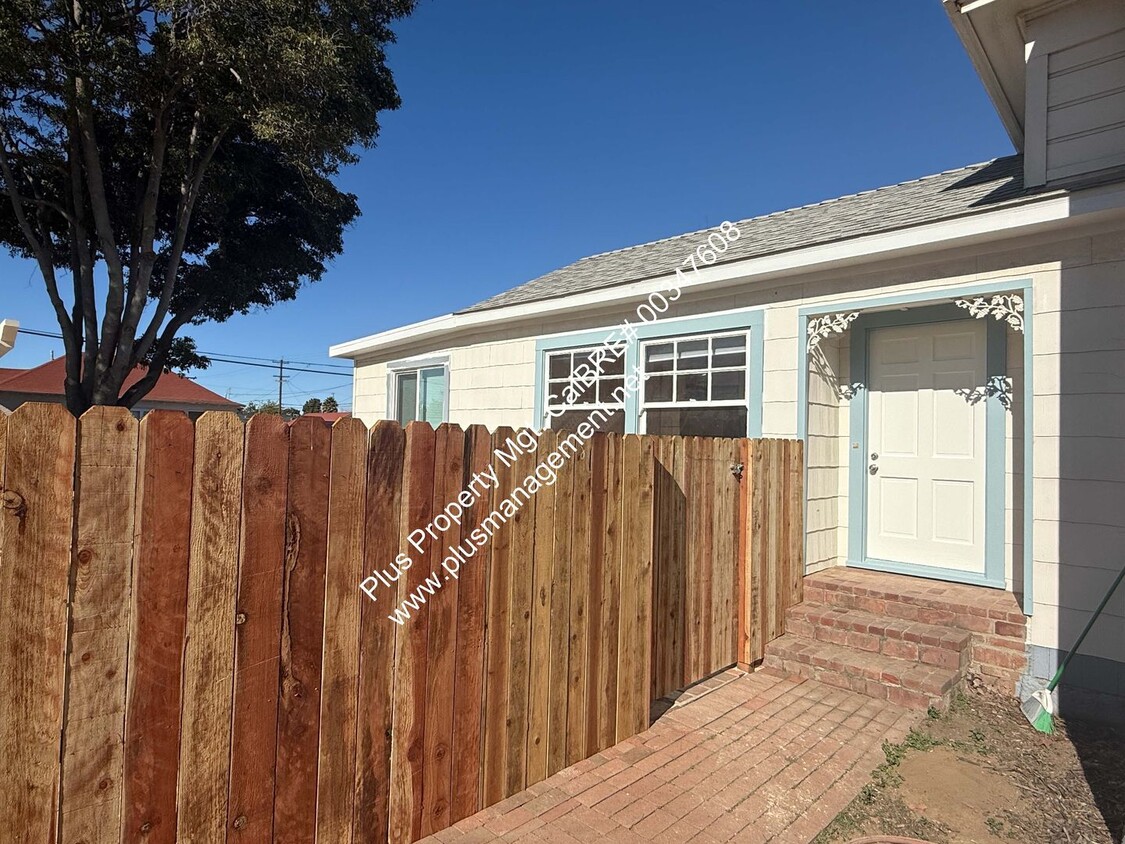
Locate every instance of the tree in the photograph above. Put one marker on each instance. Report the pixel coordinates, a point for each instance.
(311, 406)
(176, 160)
(269, 407)
(330, 405)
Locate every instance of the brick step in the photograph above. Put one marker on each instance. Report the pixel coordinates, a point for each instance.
(877, 675)
(989, 612)
(900, 638)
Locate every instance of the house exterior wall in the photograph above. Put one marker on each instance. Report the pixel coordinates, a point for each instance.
(1077, 400)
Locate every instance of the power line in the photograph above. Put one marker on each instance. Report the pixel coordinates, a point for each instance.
(273, 363)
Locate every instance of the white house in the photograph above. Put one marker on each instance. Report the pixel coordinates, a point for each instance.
(951, 349)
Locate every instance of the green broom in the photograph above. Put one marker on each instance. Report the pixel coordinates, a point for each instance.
(1039, 708)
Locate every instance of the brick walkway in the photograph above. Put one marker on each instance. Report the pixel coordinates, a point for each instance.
(749, 758)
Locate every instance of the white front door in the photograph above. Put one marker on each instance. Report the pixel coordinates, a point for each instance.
(926, 438)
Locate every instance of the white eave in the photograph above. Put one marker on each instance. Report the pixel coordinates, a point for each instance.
(1042, 212)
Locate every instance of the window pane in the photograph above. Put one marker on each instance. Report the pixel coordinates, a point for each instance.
(728, 385)
(658, 358)
(606, 388)
(692, 387)
(613, 366)
(570, 421)
(433, 396)
(558, 366)
(587, 393)
(407, 399)
(698, 422)
(691, 354)
(658, 388)
(728, 351)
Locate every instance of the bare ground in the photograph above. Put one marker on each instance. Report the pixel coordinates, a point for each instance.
(979, 774)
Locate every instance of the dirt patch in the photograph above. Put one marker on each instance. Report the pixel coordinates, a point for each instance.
(979, 774)
(955, 792)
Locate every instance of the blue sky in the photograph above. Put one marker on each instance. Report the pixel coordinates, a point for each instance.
(535, 133)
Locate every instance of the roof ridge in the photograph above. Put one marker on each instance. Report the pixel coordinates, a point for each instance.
(818, 204)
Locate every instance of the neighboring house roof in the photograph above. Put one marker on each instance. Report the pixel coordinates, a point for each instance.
(47, 379)
(944, 196)
(329, 417)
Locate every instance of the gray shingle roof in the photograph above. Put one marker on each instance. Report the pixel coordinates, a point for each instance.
(955, 193)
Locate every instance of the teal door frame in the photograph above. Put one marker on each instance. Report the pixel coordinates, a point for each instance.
(938, 295)
(996, 363)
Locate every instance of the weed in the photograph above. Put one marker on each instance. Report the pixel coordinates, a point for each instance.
(995, 825)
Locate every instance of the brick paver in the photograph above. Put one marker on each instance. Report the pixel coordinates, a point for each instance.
(742, 757)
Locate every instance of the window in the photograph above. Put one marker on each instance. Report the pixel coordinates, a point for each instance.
(576, 387)
(696, 386)
(419, 394)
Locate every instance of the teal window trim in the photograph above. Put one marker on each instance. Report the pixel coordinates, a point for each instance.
(1021, 285)
(750, 320)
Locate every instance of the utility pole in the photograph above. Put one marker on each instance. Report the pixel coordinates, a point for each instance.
(281, 379)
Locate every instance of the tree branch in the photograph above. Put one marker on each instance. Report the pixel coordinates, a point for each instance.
(156, 363)
(189, 193)
(82, 266)
(42, 253)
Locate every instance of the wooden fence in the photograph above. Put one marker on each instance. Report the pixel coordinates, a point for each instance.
(185, 654)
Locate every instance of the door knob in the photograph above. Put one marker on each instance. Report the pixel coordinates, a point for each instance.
(874, 456)
(872, 469)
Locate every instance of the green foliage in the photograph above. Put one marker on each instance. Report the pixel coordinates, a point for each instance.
(271, 408)
(315, 405)
(182, 154)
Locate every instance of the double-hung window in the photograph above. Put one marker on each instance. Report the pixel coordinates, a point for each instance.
(419, 394)
(696, 385)
(579, 383)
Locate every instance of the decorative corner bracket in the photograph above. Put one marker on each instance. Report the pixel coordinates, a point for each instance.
(827, 325)
(1007, 307)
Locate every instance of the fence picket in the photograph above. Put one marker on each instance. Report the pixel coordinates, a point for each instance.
(542, 579)
(579, 599)
(302, 629)
(93, 726)
(340, 685)
(257, 625)
(437, 778)
(796, 492)
(636, 589)
(724, 524)
(209, 655)
(594, 611)
(37, 519)
(469, 667)
(609, 619)
(162, 537)
(377, 635)
(559, 646)
(408, 731)
(521, 563)
(497, 644)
